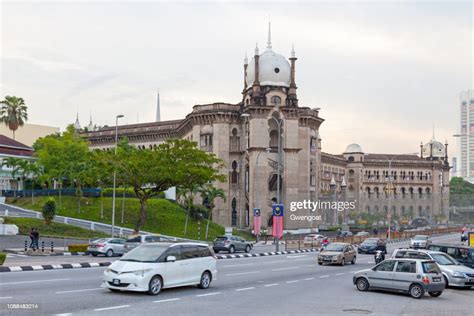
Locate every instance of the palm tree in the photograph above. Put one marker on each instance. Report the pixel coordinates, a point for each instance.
(13, 113)
(187, 194)
(209, 194)
(15, 165)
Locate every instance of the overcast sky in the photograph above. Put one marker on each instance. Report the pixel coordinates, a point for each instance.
(382, 72)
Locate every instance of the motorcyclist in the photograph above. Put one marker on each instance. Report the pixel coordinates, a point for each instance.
(381, 246)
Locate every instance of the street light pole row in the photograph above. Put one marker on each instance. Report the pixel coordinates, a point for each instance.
(115, 174)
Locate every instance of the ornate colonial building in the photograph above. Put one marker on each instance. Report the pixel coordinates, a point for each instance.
(247, 135)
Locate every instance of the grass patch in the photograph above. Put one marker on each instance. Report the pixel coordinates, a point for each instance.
(52, 230)
(164, 216)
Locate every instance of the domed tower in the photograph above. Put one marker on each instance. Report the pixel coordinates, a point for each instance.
(354, 156)
(354, 153)
(434, 150)
(270, 78)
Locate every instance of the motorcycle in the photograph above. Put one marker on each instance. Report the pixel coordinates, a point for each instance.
(378, 256)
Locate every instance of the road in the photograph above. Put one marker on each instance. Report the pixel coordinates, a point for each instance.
(275, 285)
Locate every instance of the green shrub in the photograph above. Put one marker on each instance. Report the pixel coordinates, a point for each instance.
(77, 247)
(49, 211)
(198, 212)
(2, 257)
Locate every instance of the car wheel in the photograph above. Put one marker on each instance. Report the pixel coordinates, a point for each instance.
(320, 263)
(205, 280)
(109, 253)
(94, 254)
(435, 294)
(231, 249)
(446, 282)
(416, 291)
(354, 260)
(247, 249)
(362, 284)
(154, 287)
(343, 262)
(216, 251)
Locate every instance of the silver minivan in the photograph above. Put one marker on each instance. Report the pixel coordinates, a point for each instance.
(412, 276)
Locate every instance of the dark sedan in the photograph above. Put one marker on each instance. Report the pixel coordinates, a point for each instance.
(368, 246)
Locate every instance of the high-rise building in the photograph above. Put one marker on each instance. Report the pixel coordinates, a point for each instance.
(466, 137)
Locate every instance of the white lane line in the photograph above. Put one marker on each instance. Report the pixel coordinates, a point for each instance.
(242, 273)
(273, 284)
(282, 269)
(294, 281)
(371, 262)
(4, 297)
(36, 281)
(355, 271)
(109, 308)
(307, 279)
(64, 314)
(340, 273)
(245, 289)
(84, 290)
(238, 265)
(208, 294)
(296, 256)
(167, 300)
(275, 261)
(324, 276)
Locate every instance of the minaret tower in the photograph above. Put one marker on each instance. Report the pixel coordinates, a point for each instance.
(158, 115)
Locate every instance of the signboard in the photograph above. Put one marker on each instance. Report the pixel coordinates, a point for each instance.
(228, 231)
(256, 221)
(362, 221)
(470, 239)
(277, 228)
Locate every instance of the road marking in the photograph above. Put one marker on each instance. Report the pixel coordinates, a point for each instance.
(371, 262)
(296, 256)
(242, 273)
(74, 291)
(245, 289)
(275, 261)
(340, 273)
(282, 269)
(238, 265)
(64, 314)
(294, 281)
(109, 308)
(307, 279)
(355, 271)
(324, 276)
(273, 284)
(209, 294)
(168, 300)
(36, 281)
(4, 297)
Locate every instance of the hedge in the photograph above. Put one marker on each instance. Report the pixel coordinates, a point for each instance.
(77, 247)
(3, 256)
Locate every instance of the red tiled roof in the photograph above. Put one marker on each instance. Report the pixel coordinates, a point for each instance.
(9, 146)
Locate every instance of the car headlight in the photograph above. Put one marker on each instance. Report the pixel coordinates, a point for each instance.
(141, 272)
(457, 274)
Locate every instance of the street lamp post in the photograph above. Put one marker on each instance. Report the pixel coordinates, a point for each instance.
(115, 173)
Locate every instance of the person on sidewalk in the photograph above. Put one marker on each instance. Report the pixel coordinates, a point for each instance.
(32, 237)
(36, 238)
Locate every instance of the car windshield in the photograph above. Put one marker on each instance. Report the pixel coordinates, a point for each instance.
(145, 253)
(134, 239)
(444, 260)
(333, 247)
(430, 267)
(419, 237)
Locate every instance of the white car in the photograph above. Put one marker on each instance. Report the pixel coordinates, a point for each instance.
(154, 266)
(313, 239)
(420, 241)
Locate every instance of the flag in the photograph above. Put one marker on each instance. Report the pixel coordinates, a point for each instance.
(277, 227)
(256, 221)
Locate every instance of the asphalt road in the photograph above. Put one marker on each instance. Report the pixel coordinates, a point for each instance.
(275, 285)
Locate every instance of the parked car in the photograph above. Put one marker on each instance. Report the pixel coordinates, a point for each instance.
(361, 234)
(337, 253)
(412, 276)
(344, 233)
(136, 241)
(313, 239)
(106, 246)
(463, 254)
(420, 241)
(154, 266)
(368, 245)
(231, 244)
(454, 273)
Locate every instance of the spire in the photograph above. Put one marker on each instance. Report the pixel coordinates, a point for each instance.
(158, 116)
(246, 60)
(269, 40)
(77, 125)
(293, 54)
(90, 127)
(256, 49)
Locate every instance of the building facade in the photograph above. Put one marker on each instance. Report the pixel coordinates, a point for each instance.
(10, 148)
(269, 133)
(466, 138)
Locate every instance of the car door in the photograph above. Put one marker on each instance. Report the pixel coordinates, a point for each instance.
(118, 245)
(172, 272)
(381, 276)
(404, 274)
(191, 264)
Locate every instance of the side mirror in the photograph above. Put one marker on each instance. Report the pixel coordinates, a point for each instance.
(170, 259)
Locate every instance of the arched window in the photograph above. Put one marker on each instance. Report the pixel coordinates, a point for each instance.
(234, 174)
(234, 212)
(351, 158)
(276, 100)
(274, 139)
(234, 141)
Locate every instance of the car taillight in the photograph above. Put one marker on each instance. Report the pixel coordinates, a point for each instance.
(226, 242)
(425, 279)
(100, 245)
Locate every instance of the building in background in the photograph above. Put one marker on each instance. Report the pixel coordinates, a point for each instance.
(466, 136)
(29, 133)
(454, 164)
(12, 148)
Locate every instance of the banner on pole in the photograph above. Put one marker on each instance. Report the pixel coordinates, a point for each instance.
(277, 228)
(257, 223)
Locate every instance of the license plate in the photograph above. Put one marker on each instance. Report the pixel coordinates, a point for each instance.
(116, 281)
(326, 259)
(436, 279)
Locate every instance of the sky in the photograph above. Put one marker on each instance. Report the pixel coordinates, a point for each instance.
(382, 72)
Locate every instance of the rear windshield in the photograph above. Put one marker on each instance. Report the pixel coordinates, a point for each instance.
(100, 241)
(430, 267)
(134, 239)
(221, 238)
(370, 241)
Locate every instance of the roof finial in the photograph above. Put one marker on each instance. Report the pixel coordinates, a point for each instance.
(293, 54)
(269, 41)
(256, 49)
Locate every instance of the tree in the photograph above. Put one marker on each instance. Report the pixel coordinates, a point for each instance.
(187, 194)
(15, 165)
(209, 194)
(49, 211)
(13, 113)
(30, 168)
(177, 162)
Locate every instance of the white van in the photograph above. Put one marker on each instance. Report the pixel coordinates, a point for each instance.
(154, 266)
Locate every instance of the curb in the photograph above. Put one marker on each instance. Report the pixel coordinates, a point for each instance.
(264, 254)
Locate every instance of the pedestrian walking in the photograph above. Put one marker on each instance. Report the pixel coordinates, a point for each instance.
(36, 238)
(32, 238)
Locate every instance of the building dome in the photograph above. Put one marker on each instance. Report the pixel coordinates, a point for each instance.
(353, 148)
(439, 150)
(274, 70)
